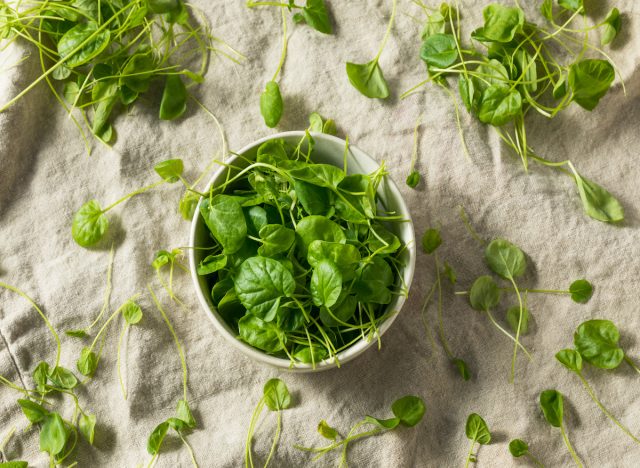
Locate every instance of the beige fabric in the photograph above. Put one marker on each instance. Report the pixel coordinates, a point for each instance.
(47, 175)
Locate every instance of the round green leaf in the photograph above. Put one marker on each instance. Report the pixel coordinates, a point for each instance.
(82, 43)
(570, 359)
(477, 430)
(597, 342)
(505, 259)
(211, 264)
(368, 79)
(518, 448)
(581, 291)
(225, 219)
(501, 23)
(276, 395)
(513, 318)
(276, 239)
(484, 294)
(439, 50)
(590, 79)
(157, 437)
(88, 362)
(132, 312)
(409, 410)
(327, 431)
(89, 224)
(326, 284)
(431, 240)
(552, 407)
(87, 426)
(170, 170)
(499, 105)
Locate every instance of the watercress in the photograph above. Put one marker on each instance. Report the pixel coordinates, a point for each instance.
(407, 411)
(368, 77)
(477, 432)
(524, 70)
(303, 260)
(519, 448)
(551, 403)
(276, 397)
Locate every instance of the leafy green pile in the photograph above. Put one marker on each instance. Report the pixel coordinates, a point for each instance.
(314, 14)
(596, 342)
(107, 54)
(407, 411)
(302, 264)
(524, 68)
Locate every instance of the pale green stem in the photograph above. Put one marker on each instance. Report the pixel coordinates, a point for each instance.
(125, 326)
(136, 192)
(573, 453)
(473, 443)
(507, 334)
(515, 348)
(284, 46)
(276, 437)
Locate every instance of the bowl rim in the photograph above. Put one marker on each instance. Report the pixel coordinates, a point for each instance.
(285, 364)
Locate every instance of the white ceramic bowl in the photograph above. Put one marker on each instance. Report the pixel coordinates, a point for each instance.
(328, 150)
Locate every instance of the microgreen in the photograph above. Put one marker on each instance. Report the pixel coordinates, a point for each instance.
(477, 432)
(368, 77)
(413, 179)
(276, 397)
(551, 403)
(525, 68)
(303, 260)
(97, 58)
(183, 421)
(519, 448)
(407, 411)
(431, 241)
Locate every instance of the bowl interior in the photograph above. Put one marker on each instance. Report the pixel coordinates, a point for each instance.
(328, 150)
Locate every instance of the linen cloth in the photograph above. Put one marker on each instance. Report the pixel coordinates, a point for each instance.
(46, 175)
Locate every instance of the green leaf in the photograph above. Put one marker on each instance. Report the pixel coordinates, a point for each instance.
(409, 410)
(63, 378)
(431, 240)
(224, 218)
(276, 239)
(327, 431)
(499, 105)
(552, 407)
(88, 362)
(611, 27)
(187, 206)
(157, 436)
(34, 412)
(590, 79)
(345, 256)
(260, 284)
(183, 412)
(570, 359)
(513, 318)
(329, 127)
(382, 241)
(435, 24)
(276, 395)
(343, 310)
(463, 368)
(315, 200)
(315, 15)
(53, 434)
(40, 376)
(326, 284)
(170, 170)
(86, 37)
(211, 264)
(573, 5)
(14, 464)
(501, 24)
(477, 430)
(313, 228)
(271, 105)
(560, 88)
(174, 98)
(439, 50)
(89, 224)
(322, 175)
(87, 426)
(581, 291)
(137, 73)
(450, 273)
(518, 448)
(484, 294)
(597, 343)
(505, 259)
(132, 312)
(368, 79)
(413, 179)
(315, 122)
(76, 333)
(373, 283)
(597, 202)
(387, 424)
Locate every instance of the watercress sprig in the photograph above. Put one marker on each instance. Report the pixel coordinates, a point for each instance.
(368, 77)
(551, 403)
(276, 397)
(477, 432)
(431, 241)
(407, 411)
(519, 448)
